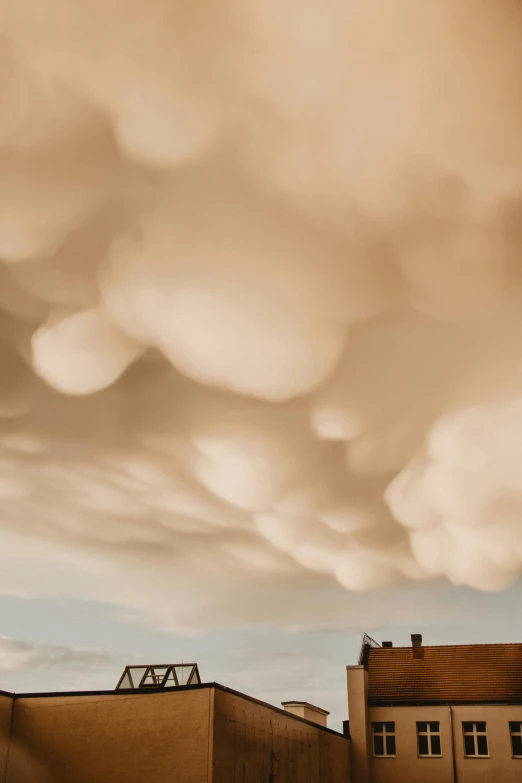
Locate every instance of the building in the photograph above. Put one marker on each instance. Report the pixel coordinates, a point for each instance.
(444, 714)
(440, 714)
(162, 725)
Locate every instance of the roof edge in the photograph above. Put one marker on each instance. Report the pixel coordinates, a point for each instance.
(149, 691)
(448, 646)
(445, 703)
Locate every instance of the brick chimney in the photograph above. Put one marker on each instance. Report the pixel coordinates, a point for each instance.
(416, 643)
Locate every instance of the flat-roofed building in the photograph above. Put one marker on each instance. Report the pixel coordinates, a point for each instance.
(441, 714)
(162, 725)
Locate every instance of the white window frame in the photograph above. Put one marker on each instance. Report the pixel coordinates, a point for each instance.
(429, 734)
(475, 734)
(515, 734)
(384, 733)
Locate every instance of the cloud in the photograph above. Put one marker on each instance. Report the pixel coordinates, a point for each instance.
(17, 656)
(254, 257)
(462, 497)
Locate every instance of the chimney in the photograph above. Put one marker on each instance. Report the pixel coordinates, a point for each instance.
(387, 644)
(307, 711)
(416, 643)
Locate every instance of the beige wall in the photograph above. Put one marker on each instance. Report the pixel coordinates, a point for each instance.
(194, 736)
(6, 707)
(142, 738)
(499, 768)
(256, 744)
(407, 767)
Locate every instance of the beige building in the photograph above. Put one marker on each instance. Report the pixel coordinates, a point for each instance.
(445, 714)
(162, 725)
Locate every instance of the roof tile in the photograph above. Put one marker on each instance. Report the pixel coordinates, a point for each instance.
(452, 673)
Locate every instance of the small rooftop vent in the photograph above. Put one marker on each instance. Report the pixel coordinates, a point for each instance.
(387, 644)
(307, 711)
(170, 675)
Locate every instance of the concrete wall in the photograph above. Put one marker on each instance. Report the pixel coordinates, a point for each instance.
(500, 767)
(256, 744)
(6, 707)
(142, 738)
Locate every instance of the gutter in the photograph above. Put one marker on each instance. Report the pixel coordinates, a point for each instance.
(453, 757)
(9, 742)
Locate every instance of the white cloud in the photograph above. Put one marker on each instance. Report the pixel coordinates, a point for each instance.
(18, 656)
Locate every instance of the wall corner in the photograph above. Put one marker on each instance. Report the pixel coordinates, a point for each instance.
(357, 684)
(211, 734)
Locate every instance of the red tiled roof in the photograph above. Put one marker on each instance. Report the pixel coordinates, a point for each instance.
(465, 673)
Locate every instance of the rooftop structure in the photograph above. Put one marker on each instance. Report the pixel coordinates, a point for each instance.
(307, 711)
(165, 675)
(151, 729)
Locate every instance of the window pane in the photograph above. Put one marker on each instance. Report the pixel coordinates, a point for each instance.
(170, 682)
(377, 727)
(481, 726)
(422, 727)
(195, 678)
(515, 726)
(390, 745)
(390, 727)
(378, 745)
(469, 745)
(482, 742)
(435, 745)
(423, 745)
(183, 673)
(126, 682)
(155, 676)
(516, 744)
(137, 673)
(467, 726)
(434, 726)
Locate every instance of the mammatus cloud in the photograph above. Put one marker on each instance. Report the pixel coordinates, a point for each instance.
(260, 285)
(461, 497)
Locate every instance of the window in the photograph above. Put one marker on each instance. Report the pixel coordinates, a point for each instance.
(515, 729)
(154, 677)
(475, 739)
(428, 738)
(384, 739)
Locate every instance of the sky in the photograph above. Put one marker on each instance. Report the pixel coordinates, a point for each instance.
(82, 645)
(260, 336)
